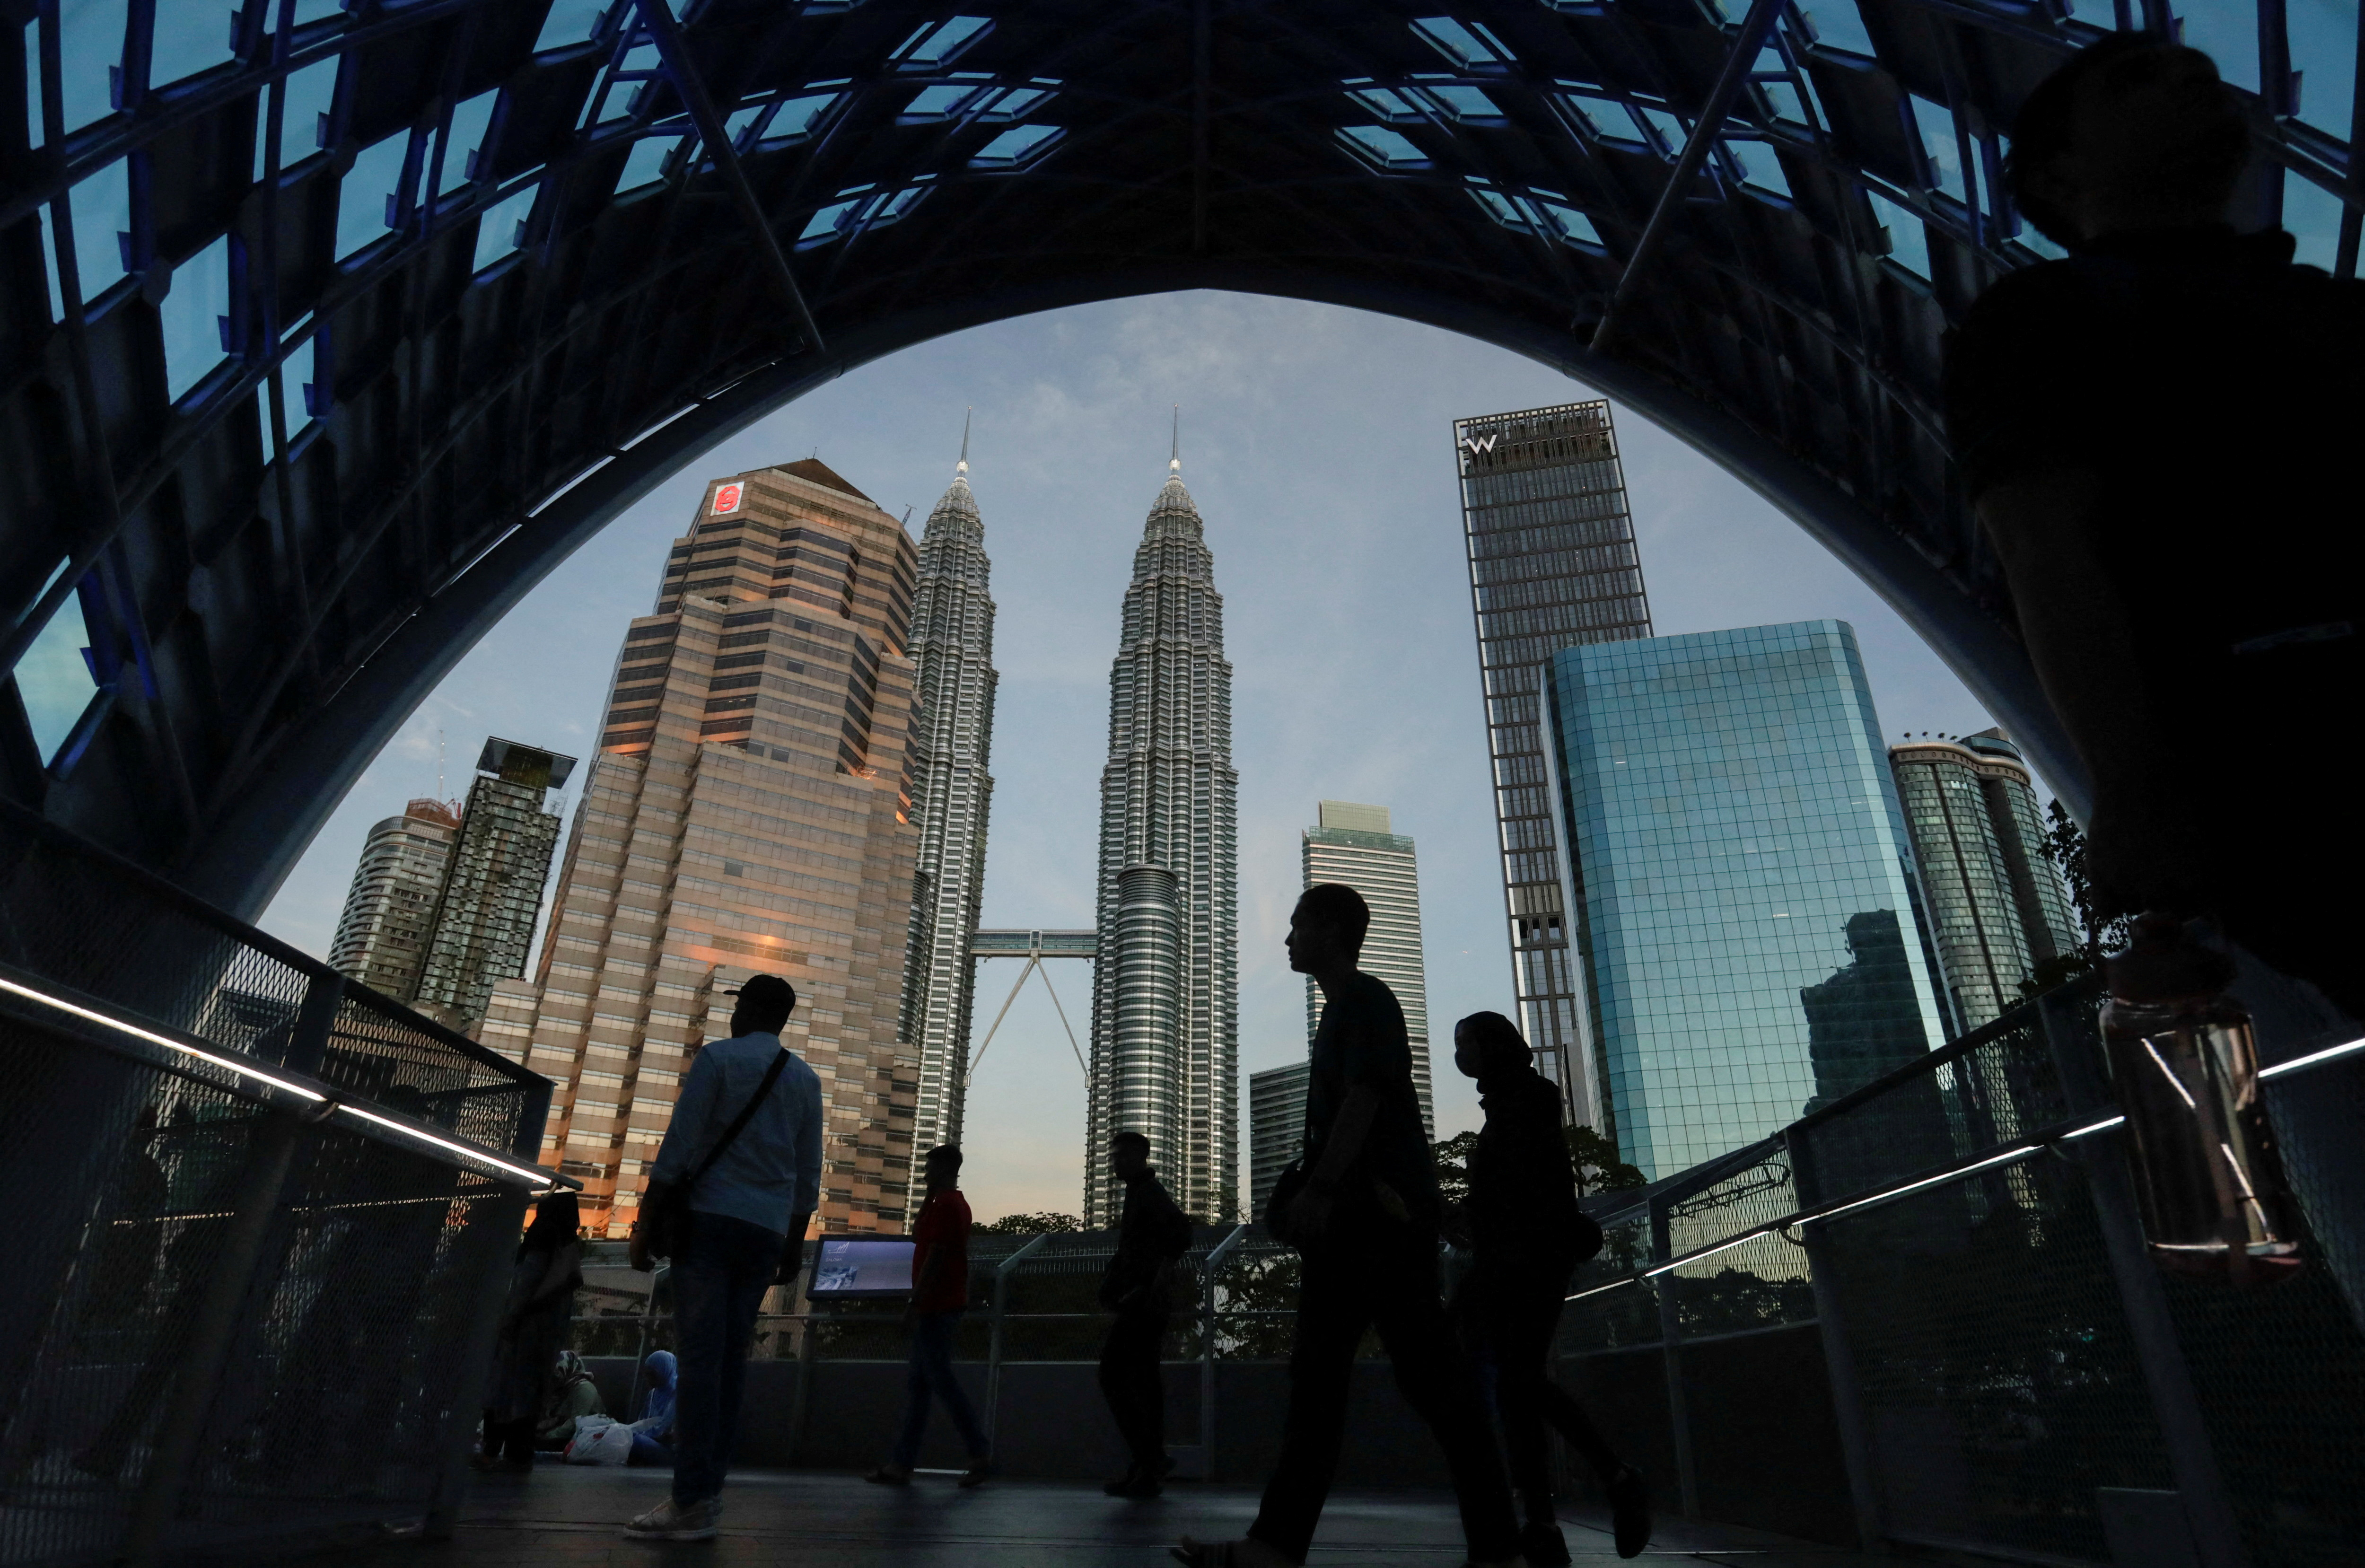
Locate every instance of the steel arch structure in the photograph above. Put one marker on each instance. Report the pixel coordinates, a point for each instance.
(323, 343)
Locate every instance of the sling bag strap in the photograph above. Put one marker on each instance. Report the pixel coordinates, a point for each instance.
(738, 1123)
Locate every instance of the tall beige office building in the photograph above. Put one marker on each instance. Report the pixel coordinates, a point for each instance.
(382, 934)
(1352, 844)
(748, 812)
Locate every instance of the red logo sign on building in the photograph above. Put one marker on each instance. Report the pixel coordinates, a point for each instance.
(726, 497)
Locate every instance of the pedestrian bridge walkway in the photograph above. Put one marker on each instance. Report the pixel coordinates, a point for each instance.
(562, 1517)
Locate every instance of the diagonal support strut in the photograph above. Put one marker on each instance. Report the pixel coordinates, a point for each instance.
(1755, 29)
(666, 33)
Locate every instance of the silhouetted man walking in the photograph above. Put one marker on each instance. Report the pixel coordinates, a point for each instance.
(1151, 1234)
(1366, 1220)
(2159, 436)
(1527, 1232)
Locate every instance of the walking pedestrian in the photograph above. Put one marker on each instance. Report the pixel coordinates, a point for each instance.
(2167, 587)
(939, 1295)
(1365, 1217)
(1527, 1232)
(730, 1200)
(1151, 1234)
(535, 1323)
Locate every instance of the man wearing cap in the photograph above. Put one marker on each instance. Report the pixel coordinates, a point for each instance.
(745, 1232)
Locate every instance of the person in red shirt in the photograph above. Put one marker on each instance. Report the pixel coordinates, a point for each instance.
(939, 1292)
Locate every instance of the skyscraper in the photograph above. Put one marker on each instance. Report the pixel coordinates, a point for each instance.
(484, 911)
(952, 654)
(1165, 1056)
(382, 935)
(1276, 1126)
(1996, 906)
(1745, 890)
(1552, 565)
(1353, 845)
(748, 812)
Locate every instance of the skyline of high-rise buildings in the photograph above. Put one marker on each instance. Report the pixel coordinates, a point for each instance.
(1164, 1057)
(1355, 845)
(1551, 554)
(952, 740)
(1745, 890)
(1552, 565)
(749, 810)
(446, 897)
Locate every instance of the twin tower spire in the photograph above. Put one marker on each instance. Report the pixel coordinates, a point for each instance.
(1164, 1057)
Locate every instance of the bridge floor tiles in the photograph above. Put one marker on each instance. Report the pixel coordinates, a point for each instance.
(561, 1518)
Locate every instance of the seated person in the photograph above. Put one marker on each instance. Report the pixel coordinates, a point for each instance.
(653, 1433)
(573, 1396)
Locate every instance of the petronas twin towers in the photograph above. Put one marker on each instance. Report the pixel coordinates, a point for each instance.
(1166, 986)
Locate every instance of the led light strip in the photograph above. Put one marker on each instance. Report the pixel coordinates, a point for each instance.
(2298, 1064)
(2315, 1058)
(528, 1174)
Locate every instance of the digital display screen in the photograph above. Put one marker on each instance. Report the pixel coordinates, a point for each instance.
(848, 1266)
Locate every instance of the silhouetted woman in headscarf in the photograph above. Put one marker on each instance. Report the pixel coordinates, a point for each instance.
(536, 1324)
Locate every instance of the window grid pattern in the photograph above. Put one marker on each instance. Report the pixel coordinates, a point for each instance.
(1749, 915)
(1552, 564)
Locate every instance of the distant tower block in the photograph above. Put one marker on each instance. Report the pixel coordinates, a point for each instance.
(382, 935)
(1997, 907)
(1169, 802)
(1353, 845)
(1276, 1127)
(491, 895)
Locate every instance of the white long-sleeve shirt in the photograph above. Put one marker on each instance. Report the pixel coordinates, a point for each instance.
(773, 1169)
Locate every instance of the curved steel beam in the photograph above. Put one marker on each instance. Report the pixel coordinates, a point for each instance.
(256, 844)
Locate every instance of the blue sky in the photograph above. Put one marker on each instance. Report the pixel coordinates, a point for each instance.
(1317, 444)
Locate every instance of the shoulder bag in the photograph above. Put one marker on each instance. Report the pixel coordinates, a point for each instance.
(664, 1207)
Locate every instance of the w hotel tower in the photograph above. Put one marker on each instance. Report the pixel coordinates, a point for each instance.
(748, 812)
(1166, 990)
(1553, 566)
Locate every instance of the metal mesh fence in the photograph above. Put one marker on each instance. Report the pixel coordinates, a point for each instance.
(1992, 1363)
(234, 1315)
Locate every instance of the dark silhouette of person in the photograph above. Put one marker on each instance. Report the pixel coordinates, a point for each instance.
(2157, 434)
(1365, 1219)
(1522, 1222)
(536, 1321)
(1151, 1234)
(744, 1233)
(940, 1297)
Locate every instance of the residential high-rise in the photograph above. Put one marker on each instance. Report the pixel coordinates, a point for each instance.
(1996, 906)
(483, 927)
(1552, 565)
(1166, 988)
(382, 935)
(1748, 909)
(749, 812)
(1276, 1126)
(952, 655)
(1353, 845)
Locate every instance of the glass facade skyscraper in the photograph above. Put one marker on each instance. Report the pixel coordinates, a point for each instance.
(1996, 904)
(1552, 564)
(1746, 891)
